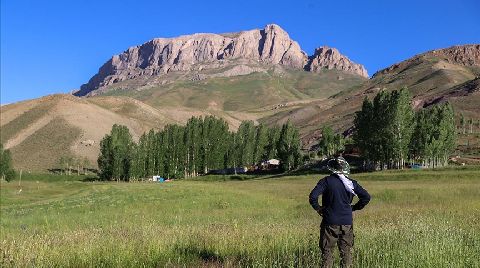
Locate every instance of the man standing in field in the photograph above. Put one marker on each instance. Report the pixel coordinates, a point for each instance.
(337, 192)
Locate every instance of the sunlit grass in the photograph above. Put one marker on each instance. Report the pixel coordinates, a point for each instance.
(415, 219)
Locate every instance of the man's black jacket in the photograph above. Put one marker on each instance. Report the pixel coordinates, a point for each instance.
(336, 200)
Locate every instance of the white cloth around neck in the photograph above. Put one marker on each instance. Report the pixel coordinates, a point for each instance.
(347, 183)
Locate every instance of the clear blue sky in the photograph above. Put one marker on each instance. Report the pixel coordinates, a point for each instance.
(55, 46)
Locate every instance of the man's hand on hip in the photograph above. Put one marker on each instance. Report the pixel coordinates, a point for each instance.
(320, 211)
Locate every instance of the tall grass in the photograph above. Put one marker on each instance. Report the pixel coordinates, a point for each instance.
(425, 221)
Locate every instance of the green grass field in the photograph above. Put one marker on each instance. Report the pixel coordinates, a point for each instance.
(415, 219)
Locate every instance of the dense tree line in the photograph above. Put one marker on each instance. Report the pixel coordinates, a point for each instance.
(389, 133)
(6, 169)
(203, 144)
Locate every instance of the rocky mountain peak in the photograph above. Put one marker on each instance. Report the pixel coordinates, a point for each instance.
(197, 52)
(330, 58)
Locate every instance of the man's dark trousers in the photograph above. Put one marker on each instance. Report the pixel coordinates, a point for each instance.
(332, 235)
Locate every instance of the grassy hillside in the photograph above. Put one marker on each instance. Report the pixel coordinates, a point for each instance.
(242, 93)
(415, 219)
(429, 77)
(45, 147)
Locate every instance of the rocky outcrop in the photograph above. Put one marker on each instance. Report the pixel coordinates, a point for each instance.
(466, 55)
(329, 58)
(197, 52)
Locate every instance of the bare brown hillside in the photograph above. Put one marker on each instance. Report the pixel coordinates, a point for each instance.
(40, 131)
(56, 125)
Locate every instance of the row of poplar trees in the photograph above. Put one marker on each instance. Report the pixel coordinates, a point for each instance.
(389, 132)
(203, 144)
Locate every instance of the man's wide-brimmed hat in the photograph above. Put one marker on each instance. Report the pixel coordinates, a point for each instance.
(338, 165)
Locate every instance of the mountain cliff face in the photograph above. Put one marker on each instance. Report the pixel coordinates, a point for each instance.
(197, 52)
(330, 58)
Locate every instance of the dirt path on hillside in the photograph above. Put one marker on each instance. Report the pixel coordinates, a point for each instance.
(11, 111)
(29, 130)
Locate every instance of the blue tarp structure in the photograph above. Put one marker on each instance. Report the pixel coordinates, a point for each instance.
(416, 166)
(158, 179)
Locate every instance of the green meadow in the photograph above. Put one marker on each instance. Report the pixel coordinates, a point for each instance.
(426, 218)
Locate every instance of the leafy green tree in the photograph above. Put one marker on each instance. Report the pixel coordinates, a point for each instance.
(219, 133)
(271, 149)
(174, 151)
(232, 152)
(261, 142)
(149, 153)
(136, 163)
(384, 128)
(364, 131)
(381, 134)
(192, 144)
(114, 159)
(121, 143)
(160, 153)
(371, 124)
(446, 133)
(289, 147)
(205, 144)
(6, 170)
(400, 127)
(105, 158)
(245, 143)
(213, 143)
(140, 164)
(434, 136)
(330, 143)
(421, 138)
